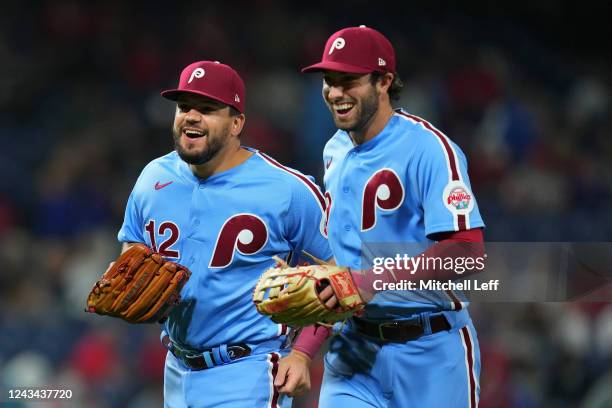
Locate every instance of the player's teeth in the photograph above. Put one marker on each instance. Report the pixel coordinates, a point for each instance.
(344, 106)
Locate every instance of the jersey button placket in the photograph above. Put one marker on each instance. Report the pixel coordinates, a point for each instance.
(346, 189)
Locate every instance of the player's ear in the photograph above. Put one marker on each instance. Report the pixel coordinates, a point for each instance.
(237, 124)
(385, 81)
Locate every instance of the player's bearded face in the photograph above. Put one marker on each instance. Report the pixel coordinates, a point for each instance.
(200, 130)
(199, 152)
(351, 98)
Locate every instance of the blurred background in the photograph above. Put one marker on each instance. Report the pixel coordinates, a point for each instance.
(524, 89)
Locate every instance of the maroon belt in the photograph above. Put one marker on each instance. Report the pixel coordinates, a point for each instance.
(400, 331)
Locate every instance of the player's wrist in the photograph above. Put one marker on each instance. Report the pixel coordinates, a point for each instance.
(363, 285)
(300, 355)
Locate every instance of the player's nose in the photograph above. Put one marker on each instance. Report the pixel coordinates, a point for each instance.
(335, 92)
(193, 116)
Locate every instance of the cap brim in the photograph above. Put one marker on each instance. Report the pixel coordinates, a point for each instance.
(173, 95)
(337, 67)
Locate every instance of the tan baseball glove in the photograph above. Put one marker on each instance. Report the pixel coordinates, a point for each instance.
(290, 295)
(139, 287)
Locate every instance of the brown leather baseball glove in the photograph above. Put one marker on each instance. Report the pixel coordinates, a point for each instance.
(139, 287)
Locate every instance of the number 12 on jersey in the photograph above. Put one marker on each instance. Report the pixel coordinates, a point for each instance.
(169, 232)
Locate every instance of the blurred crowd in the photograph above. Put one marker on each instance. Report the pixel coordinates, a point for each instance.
(80, 115)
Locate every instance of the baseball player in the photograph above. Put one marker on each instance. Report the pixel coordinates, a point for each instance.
(392, 177)
(223, 210)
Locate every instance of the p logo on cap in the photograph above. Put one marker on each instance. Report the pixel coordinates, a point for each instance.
(197, 73)
(338, 44)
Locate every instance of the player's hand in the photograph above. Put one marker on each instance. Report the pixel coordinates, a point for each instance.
(293, 377)
(328, 297)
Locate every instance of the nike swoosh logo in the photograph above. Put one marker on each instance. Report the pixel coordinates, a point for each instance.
(160, 186)
(328, 164)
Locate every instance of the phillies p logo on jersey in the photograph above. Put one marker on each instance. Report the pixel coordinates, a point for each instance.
(384, 191)
(245, 233)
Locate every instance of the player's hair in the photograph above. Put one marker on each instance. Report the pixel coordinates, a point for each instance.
(396, 85)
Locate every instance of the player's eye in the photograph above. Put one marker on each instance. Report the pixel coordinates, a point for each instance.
(340, 82)
(183, 107)
(330, 82)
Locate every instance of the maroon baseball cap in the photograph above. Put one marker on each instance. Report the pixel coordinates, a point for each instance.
(357, 50)
(213, 80)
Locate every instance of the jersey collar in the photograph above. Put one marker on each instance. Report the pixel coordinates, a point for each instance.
(381, 137)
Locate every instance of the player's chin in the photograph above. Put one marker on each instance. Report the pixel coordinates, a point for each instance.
(344, 123)
(193, 156)
(197, 146)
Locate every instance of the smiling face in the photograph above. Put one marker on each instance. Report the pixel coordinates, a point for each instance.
(352, 99)
(202, 128)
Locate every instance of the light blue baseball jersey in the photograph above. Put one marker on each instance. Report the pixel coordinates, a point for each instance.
(402, 186)
(225, 229)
